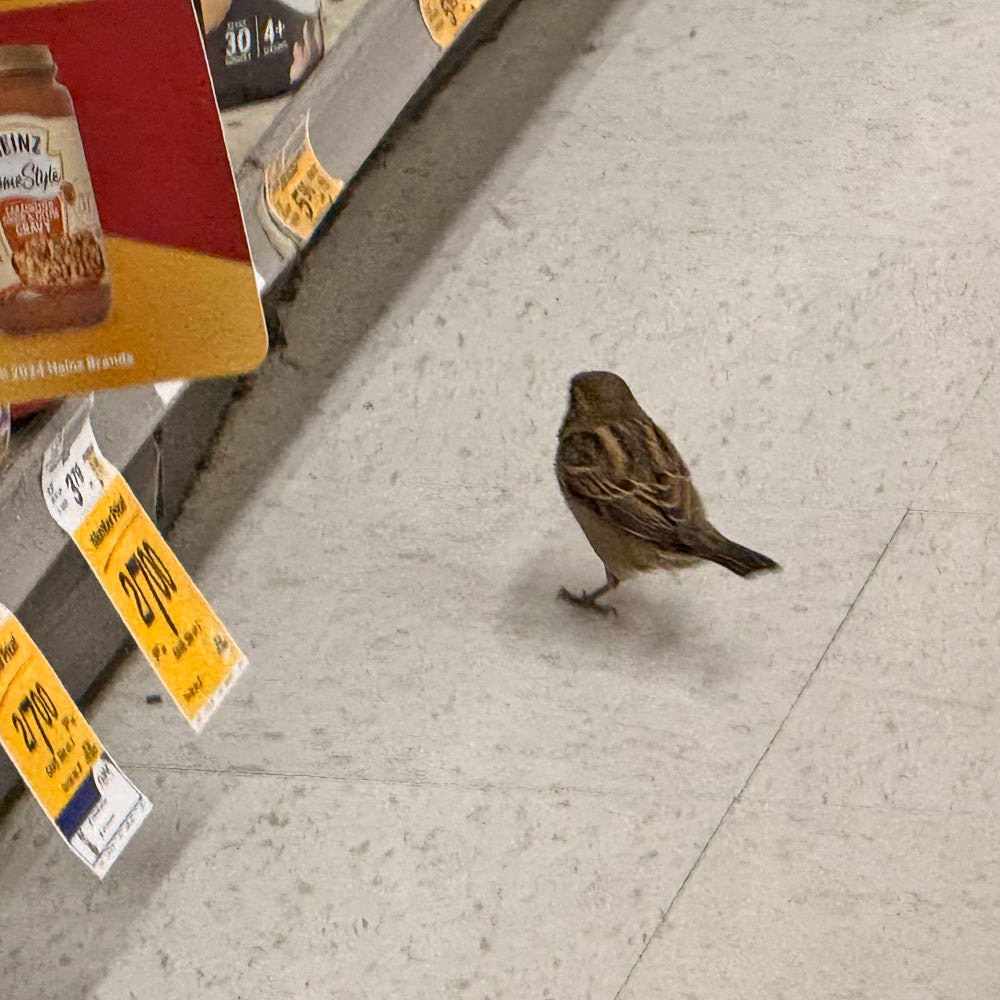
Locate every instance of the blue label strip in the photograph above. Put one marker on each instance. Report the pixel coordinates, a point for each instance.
(78, 808)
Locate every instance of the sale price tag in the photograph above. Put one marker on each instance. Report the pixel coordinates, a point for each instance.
(175, 627)
(445, 18)
(298, 191)
(79, 787)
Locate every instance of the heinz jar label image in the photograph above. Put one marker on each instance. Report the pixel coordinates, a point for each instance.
(53, 271)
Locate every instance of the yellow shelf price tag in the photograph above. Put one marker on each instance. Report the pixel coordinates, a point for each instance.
(445, 18)
(173, 625)
(298, 191)
(80, 788)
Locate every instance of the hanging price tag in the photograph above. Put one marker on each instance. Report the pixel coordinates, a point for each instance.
(298, 192)
(171, 622)
(445, 18)
(79, 787)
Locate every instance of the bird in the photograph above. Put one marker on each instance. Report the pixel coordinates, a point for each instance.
(630, 491)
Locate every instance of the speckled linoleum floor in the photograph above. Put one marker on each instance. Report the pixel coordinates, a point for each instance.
(778, 221)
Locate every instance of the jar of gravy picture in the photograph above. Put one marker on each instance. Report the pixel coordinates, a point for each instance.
(53, 272)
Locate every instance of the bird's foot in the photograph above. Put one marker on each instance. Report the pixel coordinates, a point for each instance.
(588, 601)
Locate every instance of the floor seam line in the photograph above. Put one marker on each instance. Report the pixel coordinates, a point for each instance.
(951, 433)
(134, 767)
(665, 914)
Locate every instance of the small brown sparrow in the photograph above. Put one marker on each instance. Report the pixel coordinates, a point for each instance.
(631, 491)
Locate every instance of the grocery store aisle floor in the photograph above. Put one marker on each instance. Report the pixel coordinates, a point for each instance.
(778, 222)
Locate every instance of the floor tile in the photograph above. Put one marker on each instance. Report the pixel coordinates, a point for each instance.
(278, 887)
(833, 902)
(859, 860)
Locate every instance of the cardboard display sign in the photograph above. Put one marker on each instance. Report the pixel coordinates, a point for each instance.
(123, 257)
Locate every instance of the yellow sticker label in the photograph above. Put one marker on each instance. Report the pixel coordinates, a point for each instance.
(47, 738)
(168, 617)
(298, 191)
(173, 625)
(445, 18)
(82, 791)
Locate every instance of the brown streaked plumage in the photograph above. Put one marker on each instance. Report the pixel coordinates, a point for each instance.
(630, 490)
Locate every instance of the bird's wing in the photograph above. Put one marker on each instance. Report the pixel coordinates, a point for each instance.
(634, 477)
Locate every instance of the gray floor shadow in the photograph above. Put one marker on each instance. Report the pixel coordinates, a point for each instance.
(659, 625)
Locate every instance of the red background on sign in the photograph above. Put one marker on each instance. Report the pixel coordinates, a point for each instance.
(136, 72)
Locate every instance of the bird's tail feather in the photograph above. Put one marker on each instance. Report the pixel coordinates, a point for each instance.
(738, 558)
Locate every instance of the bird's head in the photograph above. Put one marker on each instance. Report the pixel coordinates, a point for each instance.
(600, 396)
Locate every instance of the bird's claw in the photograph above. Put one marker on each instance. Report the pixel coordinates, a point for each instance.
(587, 601)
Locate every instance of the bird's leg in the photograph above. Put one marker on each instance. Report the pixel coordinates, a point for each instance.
(589, 601)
